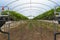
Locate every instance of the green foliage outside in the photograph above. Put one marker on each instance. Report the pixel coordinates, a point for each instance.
(15, 15)
(48, 15)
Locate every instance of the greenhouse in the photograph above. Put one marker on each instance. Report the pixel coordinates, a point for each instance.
(29, 19)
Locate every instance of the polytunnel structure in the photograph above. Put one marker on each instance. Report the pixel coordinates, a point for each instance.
(29, 29)
(29, 4)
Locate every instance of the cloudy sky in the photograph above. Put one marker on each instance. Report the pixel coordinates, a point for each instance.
(30, 7)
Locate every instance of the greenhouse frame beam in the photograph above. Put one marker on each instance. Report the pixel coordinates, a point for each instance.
(31, 3)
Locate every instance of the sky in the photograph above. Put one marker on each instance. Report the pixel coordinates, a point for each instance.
(30, 8)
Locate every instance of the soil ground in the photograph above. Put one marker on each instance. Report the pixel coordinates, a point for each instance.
(30, 30)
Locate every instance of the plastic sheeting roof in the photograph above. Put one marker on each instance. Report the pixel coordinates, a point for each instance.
(30, 7)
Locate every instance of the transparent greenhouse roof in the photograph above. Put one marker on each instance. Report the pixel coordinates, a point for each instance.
(30, 7)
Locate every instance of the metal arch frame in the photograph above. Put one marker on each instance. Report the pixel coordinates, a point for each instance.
(31, 3)
(32, 7)
(11, 2)
(54, 2)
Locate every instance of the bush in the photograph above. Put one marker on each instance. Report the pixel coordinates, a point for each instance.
(15, 15)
